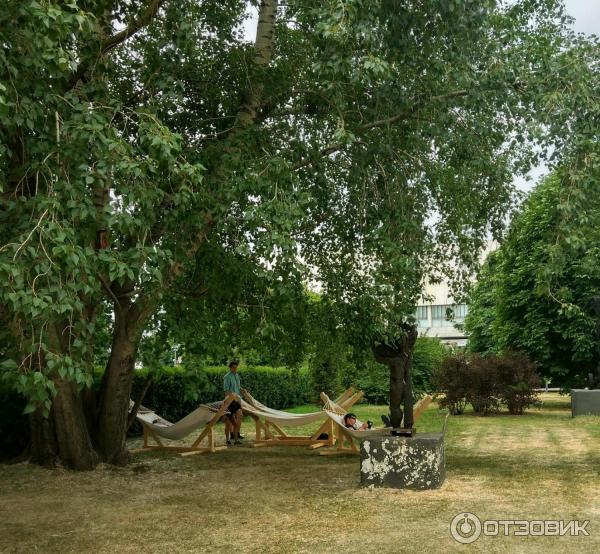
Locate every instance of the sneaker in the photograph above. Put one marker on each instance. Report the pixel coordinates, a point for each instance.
(386, 421)
(241, 437)
(228, 442)
(237, 441)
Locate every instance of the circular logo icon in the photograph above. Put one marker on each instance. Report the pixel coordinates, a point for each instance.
(465, 528)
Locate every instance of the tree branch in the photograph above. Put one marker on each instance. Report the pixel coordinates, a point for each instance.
(397, 117)
(336, 147)
(139, 23)
(110, 292)
(194, 294)
(247, 115)
(113, 41)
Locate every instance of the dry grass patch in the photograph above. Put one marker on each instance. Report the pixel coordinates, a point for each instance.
(288, 499)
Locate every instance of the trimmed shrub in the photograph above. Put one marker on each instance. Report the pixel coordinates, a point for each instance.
(451, 378)
(482, 387)
(517, 378)
(428, 355)
(324, 376)
(486, 382)
(374, 381)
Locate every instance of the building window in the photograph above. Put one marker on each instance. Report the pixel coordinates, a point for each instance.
(422, 317)
(460, 312)
(442, 315)
(438, 316)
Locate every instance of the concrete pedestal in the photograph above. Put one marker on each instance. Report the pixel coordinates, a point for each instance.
(585, 402)
(403, 462)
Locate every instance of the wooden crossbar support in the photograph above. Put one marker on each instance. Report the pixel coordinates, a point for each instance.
(154, 436)
(202, 450)
(341, 448)
(278, 429)
(208, 430)
(327, 427)
(354, 399)
(345, 395)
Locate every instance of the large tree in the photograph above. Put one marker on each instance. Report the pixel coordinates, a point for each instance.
(360, 145)
(513, 305)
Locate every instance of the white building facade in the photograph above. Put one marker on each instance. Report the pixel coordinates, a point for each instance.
(442, 317)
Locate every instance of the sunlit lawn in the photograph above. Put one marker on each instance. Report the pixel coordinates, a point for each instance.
(544, 465)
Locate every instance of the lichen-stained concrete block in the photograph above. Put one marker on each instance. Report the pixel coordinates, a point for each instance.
(585, 402)
(403, 462)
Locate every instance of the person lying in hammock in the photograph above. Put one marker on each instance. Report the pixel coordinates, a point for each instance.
(350, 423)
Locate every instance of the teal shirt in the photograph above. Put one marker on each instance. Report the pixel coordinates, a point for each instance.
(231, 383)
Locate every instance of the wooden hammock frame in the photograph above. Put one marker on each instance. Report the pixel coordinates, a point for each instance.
(271, 434)
(208, 433)
(346, 443)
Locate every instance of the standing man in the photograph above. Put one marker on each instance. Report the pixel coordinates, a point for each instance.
(231, 384)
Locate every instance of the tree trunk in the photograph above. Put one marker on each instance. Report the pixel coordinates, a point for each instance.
(75, 447)
(115, 393)
(63, 437)
(43, 448)
(114, 396)
(69, 435)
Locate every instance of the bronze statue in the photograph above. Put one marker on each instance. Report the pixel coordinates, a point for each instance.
(397, 355)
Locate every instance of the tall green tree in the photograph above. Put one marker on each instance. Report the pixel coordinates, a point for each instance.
(359, 144)
(513, 306)
(480, 320)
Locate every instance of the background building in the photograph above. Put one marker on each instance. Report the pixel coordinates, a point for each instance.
(442, 318)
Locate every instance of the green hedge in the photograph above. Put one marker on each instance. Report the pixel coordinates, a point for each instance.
(175, 392)
(428, 355)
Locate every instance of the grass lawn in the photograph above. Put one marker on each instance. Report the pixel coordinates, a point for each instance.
(544, 465)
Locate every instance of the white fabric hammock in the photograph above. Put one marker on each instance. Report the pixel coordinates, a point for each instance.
(336, 413)
(249, 399)
(286, 419)
(283, 418)
(359, 435)
(182, 428)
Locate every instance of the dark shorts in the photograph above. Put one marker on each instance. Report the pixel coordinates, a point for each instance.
(234, 407)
